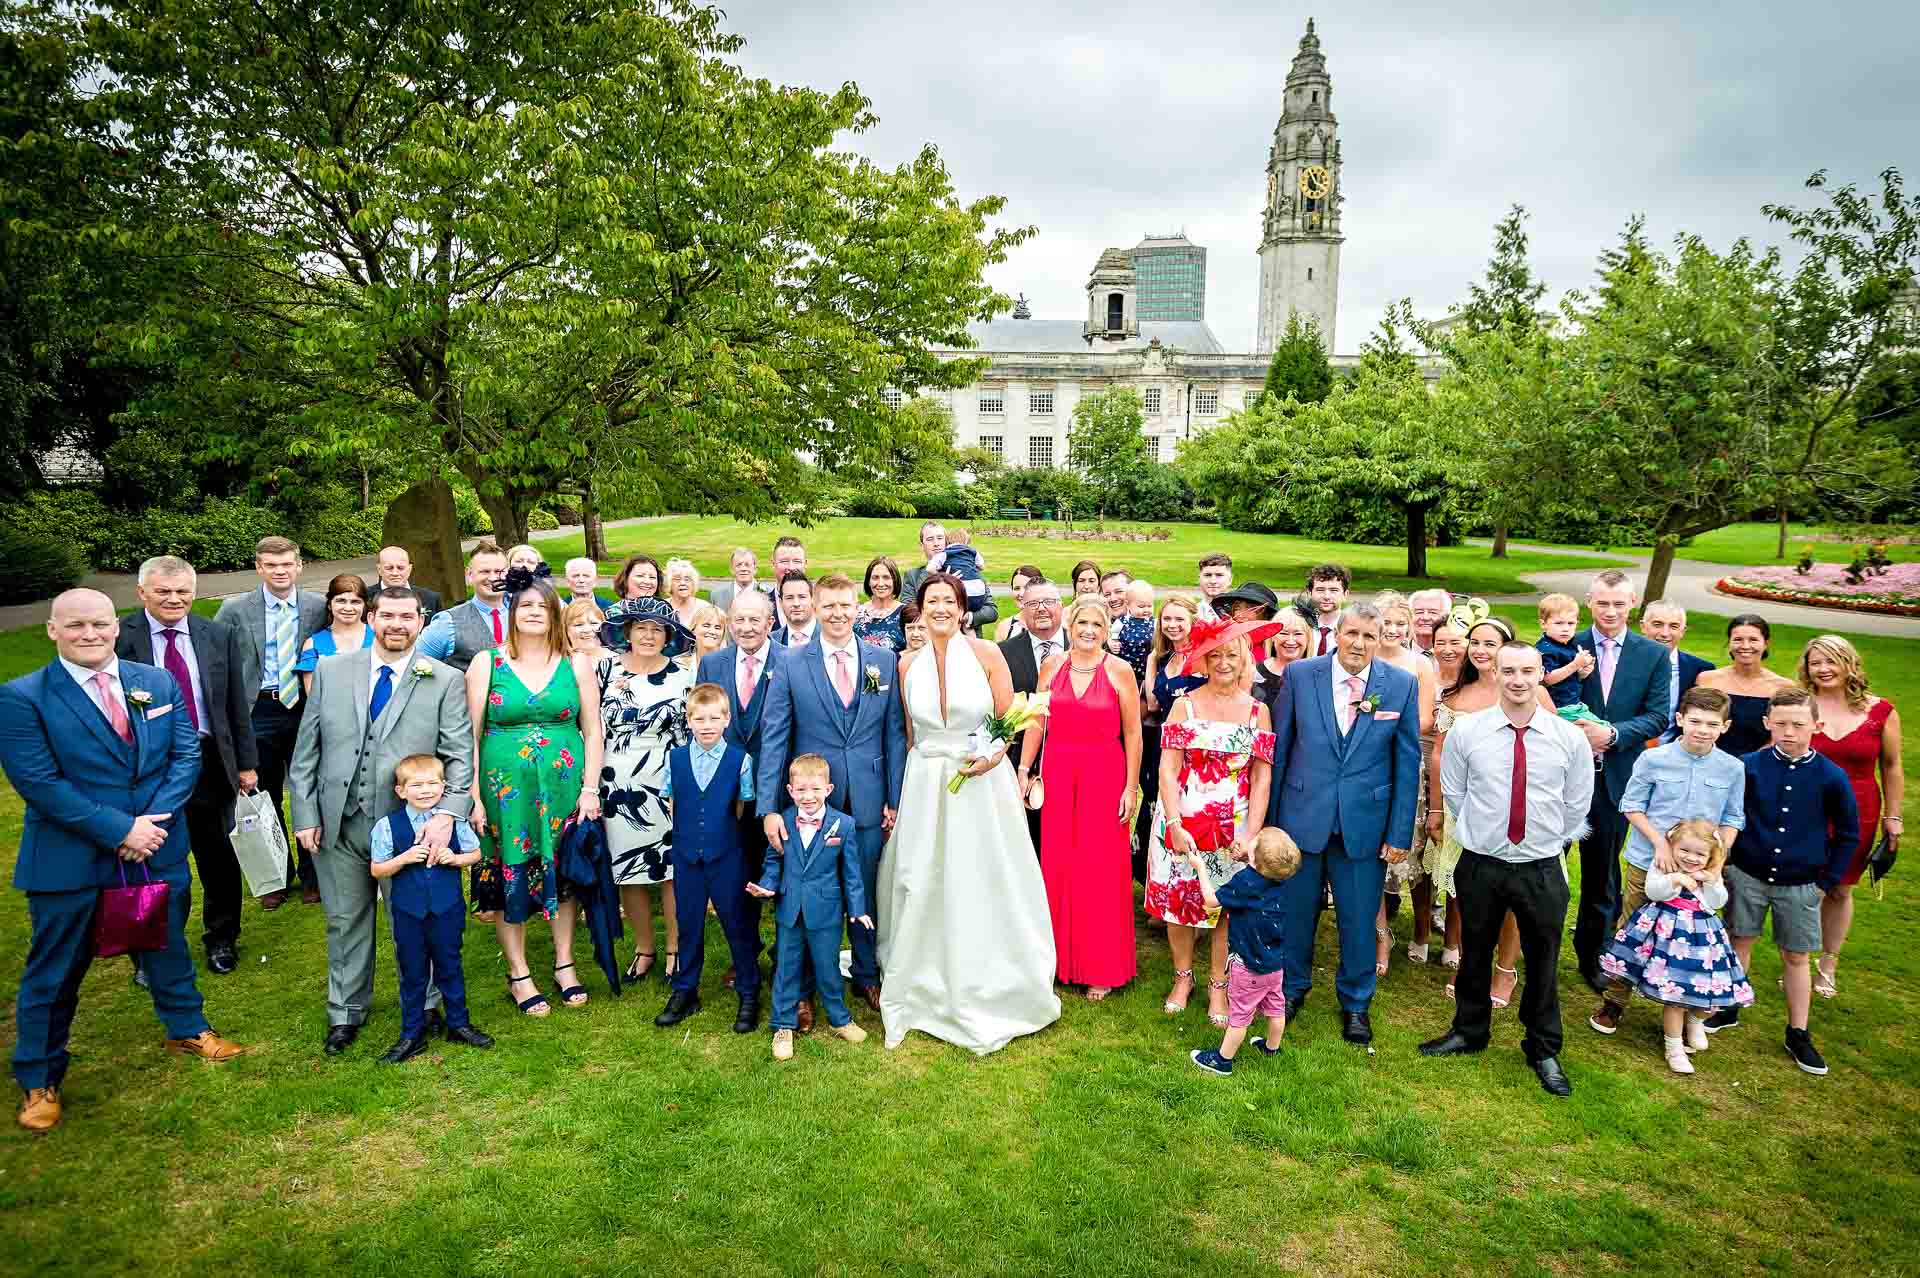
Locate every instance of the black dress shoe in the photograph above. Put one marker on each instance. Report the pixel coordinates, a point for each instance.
(749, 1018)
(1294, 1005)
(1357, 1029)
(435, 1026)
(221, 958)
(679, 1007)
(1553, 1079)
(404, 1050)
(1451, 1043)
(340, 1038)
(469, 1035)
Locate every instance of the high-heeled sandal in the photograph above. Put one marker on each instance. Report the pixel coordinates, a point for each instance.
(635, 973)
(535, 1000)
(1216, 1019)
(673, 964)
(1380, 965)
(1449, 959)
(1417, 953)
(1495, 999)
(1824, 976)
(570, 995)
(1170, 1007)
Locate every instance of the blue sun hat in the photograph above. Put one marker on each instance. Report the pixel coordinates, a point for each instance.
(627, 611)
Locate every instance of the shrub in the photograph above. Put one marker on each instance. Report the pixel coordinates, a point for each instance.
(33, 567)
(468, 513)
(878, 501)
(942, 500)
(339, 533)
(541, 521)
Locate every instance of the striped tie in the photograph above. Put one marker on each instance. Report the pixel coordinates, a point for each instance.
(286, 637)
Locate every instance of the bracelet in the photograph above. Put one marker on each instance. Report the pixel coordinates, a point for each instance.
(1894, 820)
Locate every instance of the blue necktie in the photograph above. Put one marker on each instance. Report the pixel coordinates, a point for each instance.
(382, 693)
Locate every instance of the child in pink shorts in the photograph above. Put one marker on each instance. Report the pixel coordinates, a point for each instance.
(1255, 940)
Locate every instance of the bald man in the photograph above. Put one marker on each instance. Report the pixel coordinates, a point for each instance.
(104, 754)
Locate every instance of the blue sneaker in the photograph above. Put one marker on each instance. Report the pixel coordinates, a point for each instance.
(1211, 1061)
(1261, 1043)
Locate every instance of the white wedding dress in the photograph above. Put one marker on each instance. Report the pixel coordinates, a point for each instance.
(966, 945)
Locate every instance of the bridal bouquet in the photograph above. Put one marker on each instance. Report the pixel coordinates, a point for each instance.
(1023, 712)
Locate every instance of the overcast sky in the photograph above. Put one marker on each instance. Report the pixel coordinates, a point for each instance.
(1103, 122)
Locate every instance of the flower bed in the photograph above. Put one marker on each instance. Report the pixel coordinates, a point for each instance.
(1050, 533)
(1895, 592)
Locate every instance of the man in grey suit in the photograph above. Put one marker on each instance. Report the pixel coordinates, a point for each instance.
(208, 661)
(277, 620)
(743, 567)
(371, 709)
(933, 541)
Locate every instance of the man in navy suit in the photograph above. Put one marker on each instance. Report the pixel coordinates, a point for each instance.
(1346, 769)
(799, 622)
(1665, 623)
(105, 756)
(1628, 690)
(747, 668)
(840, 700)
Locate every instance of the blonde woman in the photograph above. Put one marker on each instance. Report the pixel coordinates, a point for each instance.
(1165, 680)
(1861, 733)
(709, 627)
(583, 621)
(683, 586)
(1396, 649)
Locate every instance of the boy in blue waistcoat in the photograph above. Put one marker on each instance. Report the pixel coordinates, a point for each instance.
(818, 885)
(708, 781)
(425, 902)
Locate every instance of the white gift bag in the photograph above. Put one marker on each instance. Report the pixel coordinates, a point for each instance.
(259, 844)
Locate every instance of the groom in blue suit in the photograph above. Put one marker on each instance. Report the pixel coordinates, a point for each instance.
(840, 699)
(1346, 769)
(105, 756)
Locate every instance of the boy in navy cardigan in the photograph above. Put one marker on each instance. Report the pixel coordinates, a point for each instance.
(428, 911)
(708, 782)
(818, 885)
(1802, 827)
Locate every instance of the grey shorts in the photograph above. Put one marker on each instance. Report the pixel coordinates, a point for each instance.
(1796, 911)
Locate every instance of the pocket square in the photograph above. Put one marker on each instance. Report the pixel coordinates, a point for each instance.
(833, 843)
(157, 711)
(1387, 716)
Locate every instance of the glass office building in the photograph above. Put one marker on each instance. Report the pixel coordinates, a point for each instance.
(1172, 275)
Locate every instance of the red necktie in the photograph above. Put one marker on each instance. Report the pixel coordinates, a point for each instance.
(176, 664)
(111, 707)
(497, 636)
(1517, 804)
(1326, 637)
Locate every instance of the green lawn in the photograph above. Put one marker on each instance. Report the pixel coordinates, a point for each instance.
(1280, 562)
(592, 1142)
(1751, 544)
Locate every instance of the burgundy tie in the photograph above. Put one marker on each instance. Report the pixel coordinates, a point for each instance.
(1326, 638)
(176, 664)
(1517, 804)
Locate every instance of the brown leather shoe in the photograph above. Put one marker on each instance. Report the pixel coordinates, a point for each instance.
(310, 895)
(207, 1045)
(871, 993)
(805, 1016)
(40, 1110)
(726, 982)
(273, 900)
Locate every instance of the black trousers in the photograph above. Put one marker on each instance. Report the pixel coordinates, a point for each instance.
(753, 838)
(1149, 791)
(274, 730)
(1599, 879)
(209, 819)
(1536, 892)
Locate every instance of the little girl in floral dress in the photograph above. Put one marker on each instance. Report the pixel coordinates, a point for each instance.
(1675, 949)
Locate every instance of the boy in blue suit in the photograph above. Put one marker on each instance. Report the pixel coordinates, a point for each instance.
(821, 888)
(103, 753)
(709, 782)
(428, 910)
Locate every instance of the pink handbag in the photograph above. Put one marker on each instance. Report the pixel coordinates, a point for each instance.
(132, 918)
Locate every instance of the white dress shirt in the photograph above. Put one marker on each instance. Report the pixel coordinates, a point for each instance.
(184, 640)
(1476, 776)
(801, 638)
(1344, 696)
(377, 657)
(84, 677)
(740, 656)
(852, 648)
(1056, 646)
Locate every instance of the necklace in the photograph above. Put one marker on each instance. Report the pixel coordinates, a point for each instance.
(1082, 669)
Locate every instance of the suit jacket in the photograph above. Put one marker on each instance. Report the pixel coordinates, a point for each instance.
(1026, 678)
(429, 599)
(722, 595)
(1371, 775)
(818, 881)
(1640, 708)
(981, 617)
(865, 745)
(1691, 668)
(221, 655)
(744, 728)
(248, 614)
(340, 763)
(83, 786)
(782, 635)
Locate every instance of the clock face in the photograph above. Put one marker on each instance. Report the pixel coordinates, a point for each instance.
(1273, 186)
(1315, 182)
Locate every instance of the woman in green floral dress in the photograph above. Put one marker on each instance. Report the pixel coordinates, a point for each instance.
(536, 740)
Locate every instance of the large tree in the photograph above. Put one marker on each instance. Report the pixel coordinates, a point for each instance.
(459, 231)
(1105, 445)
(1299, 367)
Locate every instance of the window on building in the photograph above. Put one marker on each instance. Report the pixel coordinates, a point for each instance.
(1206, 402)
(1116, 311)
(1040, 450)
(1309, 273)
(1040, 403)
(995, 444)
(992, 403)
(1153, 399)
(892, 396)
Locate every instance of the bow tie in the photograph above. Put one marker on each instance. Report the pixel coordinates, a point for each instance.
(809, 823)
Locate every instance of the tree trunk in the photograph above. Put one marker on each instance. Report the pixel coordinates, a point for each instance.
(1780, 548)
(1661, 567)
(366, 488)
(1499, 541)
(506, 509)
(1417, 539)
(595, 530)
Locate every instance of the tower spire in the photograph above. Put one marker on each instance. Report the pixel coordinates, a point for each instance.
(1300, 243)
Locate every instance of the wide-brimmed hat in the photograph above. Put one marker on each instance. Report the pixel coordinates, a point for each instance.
(1247, 592)
(1208, 635)
(625, 612)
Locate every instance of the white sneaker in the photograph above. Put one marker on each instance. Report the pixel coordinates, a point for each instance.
(1696, 1034)
(1677, 1059)
(783, 1045)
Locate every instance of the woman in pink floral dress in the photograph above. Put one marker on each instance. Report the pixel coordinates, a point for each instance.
(1216, 756)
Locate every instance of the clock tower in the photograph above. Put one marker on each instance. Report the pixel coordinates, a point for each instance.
(1300, 240)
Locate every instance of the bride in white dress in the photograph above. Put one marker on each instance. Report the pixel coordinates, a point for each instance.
(965, 941)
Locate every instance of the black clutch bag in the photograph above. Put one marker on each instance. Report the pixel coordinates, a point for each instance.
(1880, 864)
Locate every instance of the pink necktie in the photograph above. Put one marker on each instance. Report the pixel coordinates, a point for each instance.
(1354, 685)
(843, 679)
(110, 705)
(1609, 648)
(747, 681)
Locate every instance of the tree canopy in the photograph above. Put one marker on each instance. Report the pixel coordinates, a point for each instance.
(1105, 445)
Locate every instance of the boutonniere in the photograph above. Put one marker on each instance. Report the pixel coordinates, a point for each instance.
(872, 684)
(139, 696)
(423, 669)
(1367, 705)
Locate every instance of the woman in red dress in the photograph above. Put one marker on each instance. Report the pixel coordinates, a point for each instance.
(1860, 732)
(1089, 794)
